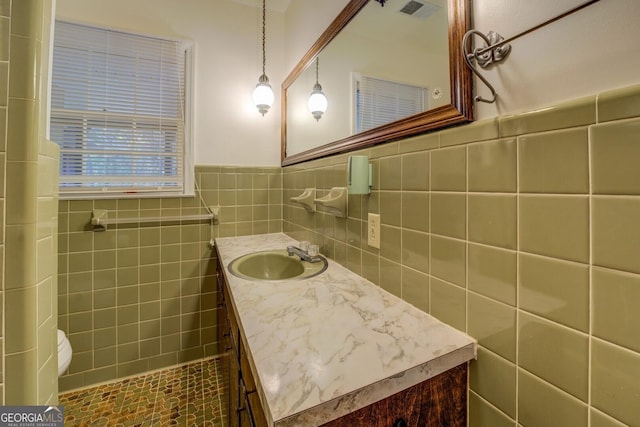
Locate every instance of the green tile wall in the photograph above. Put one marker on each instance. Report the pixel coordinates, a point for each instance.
(28, 209)
(5, 25)
(522, 231)
(142, 296)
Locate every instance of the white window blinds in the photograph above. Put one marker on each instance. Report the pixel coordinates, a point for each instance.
(379, 102)
(117, 111)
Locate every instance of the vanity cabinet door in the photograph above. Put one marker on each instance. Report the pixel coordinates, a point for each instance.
(236, 403)
(224, 344)
(246, 419)
(229, 355)
(439, 401)
(222, 322)
(232, 323)
(255, 410)
(256, 413)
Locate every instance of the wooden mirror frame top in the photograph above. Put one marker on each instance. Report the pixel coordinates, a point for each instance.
(459, 111)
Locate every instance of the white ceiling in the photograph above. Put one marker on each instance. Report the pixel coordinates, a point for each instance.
(275, 5)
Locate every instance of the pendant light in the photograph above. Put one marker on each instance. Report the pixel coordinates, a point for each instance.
(317, 101)
(262, 94)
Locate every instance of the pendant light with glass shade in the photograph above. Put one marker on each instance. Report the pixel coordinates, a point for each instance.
(317, 101)
(263, 94)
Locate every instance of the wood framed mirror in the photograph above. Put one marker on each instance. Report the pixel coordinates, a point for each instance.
(420, 52)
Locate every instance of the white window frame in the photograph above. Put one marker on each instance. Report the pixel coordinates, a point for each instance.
(188, 166)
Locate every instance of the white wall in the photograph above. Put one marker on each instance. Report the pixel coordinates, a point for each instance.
(227, 35)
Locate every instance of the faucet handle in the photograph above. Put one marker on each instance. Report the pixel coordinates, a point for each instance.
(314, 250)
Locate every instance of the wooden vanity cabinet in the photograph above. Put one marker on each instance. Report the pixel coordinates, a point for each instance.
(439, 401)
(243, 404)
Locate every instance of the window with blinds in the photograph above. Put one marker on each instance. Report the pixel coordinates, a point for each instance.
(378, 101)
(118, 112)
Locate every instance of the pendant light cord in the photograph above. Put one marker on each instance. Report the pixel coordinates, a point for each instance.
(317, 62)
(264, 39)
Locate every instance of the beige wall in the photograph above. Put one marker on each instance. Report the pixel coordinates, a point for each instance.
(521, 231)
(141, 296)
(29, 168)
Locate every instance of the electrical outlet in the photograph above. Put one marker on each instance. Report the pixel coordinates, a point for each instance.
(373, 230)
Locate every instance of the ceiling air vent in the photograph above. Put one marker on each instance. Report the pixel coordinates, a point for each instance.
(419, 9)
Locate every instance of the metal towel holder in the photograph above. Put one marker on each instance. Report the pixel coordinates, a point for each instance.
(496, 49)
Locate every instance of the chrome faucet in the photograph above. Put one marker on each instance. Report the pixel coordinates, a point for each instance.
(304, 256)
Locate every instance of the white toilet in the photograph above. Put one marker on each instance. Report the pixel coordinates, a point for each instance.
(64, 352)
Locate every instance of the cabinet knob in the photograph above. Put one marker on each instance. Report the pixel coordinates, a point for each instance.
(400, 423)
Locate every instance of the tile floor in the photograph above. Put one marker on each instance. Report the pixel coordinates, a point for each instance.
(187, 395)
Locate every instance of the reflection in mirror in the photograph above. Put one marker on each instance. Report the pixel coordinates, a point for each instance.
(386, 66)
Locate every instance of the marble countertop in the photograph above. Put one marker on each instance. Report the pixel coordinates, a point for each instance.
(326, 346)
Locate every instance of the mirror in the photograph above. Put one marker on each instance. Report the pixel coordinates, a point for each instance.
(371, 53)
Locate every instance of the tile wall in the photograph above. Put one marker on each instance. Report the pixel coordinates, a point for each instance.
(522, 231)
(29, 208)
(141, 296)
(5, 31)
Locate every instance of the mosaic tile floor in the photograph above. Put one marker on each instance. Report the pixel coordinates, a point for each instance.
(188, 395)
